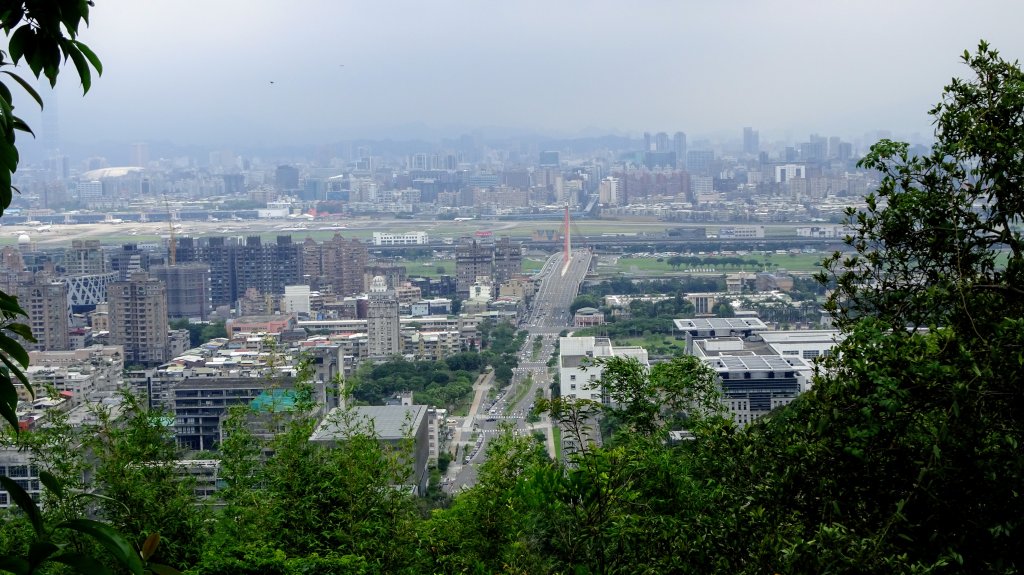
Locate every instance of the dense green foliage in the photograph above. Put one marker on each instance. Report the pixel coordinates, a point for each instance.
(135, 467)
(626, 286)
(644, 318)
(312, 508)
(200, 333)
(500, 345)
(442, 383)
(713, 261)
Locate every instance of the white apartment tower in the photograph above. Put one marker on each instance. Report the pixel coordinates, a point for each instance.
(382, 323)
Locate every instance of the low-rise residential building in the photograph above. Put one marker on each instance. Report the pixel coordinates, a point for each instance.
(268, 324)
(79, 373)
(435, 306)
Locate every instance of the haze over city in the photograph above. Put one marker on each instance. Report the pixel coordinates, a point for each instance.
(235, 73)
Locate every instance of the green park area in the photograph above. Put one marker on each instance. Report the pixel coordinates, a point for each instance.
(802, 262)
(428, 268)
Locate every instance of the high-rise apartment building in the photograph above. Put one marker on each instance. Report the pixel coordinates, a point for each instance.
(384, 338)
(700, 162)
(216, 254)
(188, 290)
(253, 266)
(286, 178)
(608, 191)
(45, 300)
(549, 159)
(235, 267)
(661, 143)
(508, 260)
(473, 259)
(138, 319)
(128, 260)
(679, 146)
(84, 257)
(343, 261)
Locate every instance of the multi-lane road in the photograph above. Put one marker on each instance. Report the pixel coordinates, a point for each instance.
(548, 316)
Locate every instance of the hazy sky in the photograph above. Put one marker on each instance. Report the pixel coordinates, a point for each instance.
(200, 71)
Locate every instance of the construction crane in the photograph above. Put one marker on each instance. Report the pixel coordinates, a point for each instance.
(172, 245)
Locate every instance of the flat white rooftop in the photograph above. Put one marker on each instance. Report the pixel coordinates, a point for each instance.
(390, 422)
(758, 363)
(720, 323)
(801, 336)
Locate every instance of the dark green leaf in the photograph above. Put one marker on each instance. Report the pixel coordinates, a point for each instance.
(14, 349)
(12, 368)
(22, 330)
(24, 502)
(26, 86)
(15, 565)
(81, 563)
(52, 483)
(81, 65)
(9, 157)
(163, 569)
(5, 184)
(13, 16)
(9, 304)
(90, 55)
(20, 125)
(40, 551)
(18, 42)
(8, 411)
(113, 541)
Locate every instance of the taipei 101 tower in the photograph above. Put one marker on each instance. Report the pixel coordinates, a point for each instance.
(57, 164)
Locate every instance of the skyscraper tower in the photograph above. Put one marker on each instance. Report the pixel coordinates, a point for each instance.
(382, 324)
(51, 124)
(140, 154)
(188, 289)
(661, 142)
(679, 147)
(751, 142)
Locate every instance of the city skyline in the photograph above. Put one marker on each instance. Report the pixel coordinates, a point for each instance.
(318, 72)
